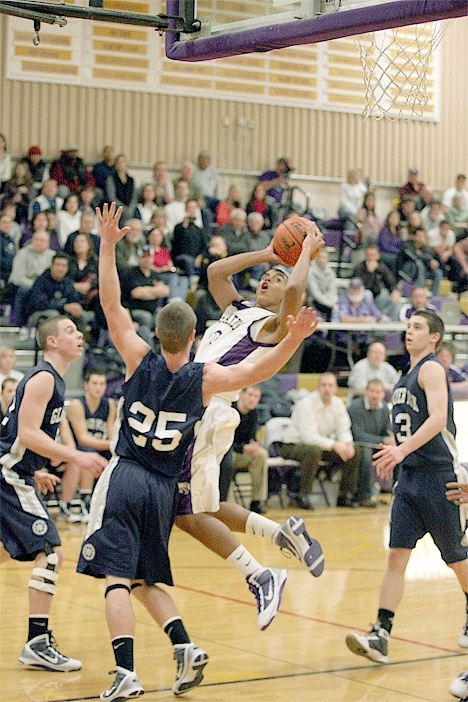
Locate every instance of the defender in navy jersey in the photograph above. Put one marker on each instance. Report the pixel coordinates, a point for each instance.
(424, 430)
(27, 443)
(134, 502)
(92, 419)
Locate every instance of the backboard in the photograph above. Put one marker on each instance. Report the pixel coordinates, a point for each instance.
(274, 25)
(222, 17)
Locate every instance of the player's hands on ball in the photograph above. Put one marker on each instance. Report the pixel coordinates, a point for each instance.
(273, 256)
(314, 240)
(457, 492)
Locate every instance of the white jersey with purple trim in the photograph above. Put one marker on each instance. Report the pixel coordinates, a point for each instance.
(230, 340)
(233, 338)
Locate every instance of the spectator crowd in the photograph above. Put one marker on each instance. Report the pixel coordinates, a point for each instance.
(47, 207)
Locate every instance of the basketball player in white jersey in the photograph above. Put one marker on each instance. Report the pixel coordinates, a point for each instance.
(244, 331)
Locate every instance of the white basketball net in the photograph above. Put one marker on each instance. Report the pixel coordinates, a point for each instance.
(395, 64)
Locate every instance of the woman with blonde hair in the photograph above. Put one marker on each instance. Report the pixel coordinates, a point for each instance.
(7, 364)
(351, 196)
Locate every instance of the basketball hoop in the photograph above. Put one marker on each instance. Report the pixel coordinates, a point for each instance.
(395, 63)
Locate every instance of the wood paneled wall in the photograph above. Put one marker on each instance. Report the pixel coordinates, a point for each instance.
(243, 136)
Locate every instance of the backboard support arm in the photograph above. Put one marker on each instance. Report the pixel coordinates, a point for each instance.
(56, 13)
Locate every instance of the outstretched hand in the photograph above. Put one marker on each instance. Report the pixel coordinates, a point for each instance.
(303, 324)
(109, 223)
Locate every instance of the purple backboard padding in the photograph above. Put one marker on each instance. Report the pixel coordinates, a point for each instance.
(310, 31)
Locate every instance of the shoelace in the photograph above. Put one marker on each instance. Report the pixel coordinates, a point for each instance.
(52, 641)
(255, 589)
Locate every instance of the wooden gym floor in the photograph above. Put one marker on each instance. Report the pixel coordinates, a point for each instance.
(302, 657)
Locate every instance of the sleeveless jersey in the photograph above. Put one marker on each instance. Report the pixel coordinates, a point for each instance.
(410, 410)
(96, 422)
(233, 338)
(158, 414)
(12, 454)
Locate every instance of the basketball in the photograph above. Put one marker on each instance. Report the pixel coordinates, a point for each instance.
(288, 238)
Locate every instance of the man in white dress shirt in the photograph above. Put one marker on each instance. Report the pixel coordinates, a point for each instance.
(320, 428)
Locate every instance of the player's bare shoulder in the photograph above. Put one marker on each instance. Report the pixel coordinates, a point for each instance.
(430, 373)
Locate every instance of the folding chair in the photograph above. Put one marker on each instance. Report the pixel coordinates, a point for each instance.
(274, 431)
(272, 437)
(241, 489)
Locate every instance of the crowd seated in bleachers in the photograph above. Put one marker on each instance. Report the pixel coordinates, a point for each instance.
(32, 206)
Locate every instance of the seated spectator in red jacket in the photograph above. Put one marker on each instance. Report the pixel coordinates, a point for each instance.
(70, 172)
(164, 265)
(225, 207)
(258, 203)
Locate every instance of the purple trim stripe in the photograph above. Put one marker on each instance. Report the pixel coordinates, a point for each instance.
(311, 31)
(241, 351)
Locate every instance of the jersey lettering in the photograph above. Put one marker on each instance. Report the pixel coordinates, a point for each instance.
(165, 439)
(403, 421)
(56, 416)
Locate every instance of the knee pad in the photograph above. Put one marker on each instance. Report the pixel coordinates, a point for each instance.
(117, 586)
(48, 574)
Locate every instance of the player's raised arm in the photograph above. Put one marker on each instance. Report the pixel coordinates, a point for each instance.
(218, 378)
(297, 281)
(219, 273)
(127, 342)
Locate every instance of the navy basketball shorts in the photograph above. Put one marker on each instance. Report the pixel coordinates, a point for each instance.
(25, 523)
(420, 507)
(132, 513)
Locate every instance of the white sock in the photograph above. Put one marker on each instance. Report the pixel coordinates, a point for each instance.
(260, 526)
(243, 561)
